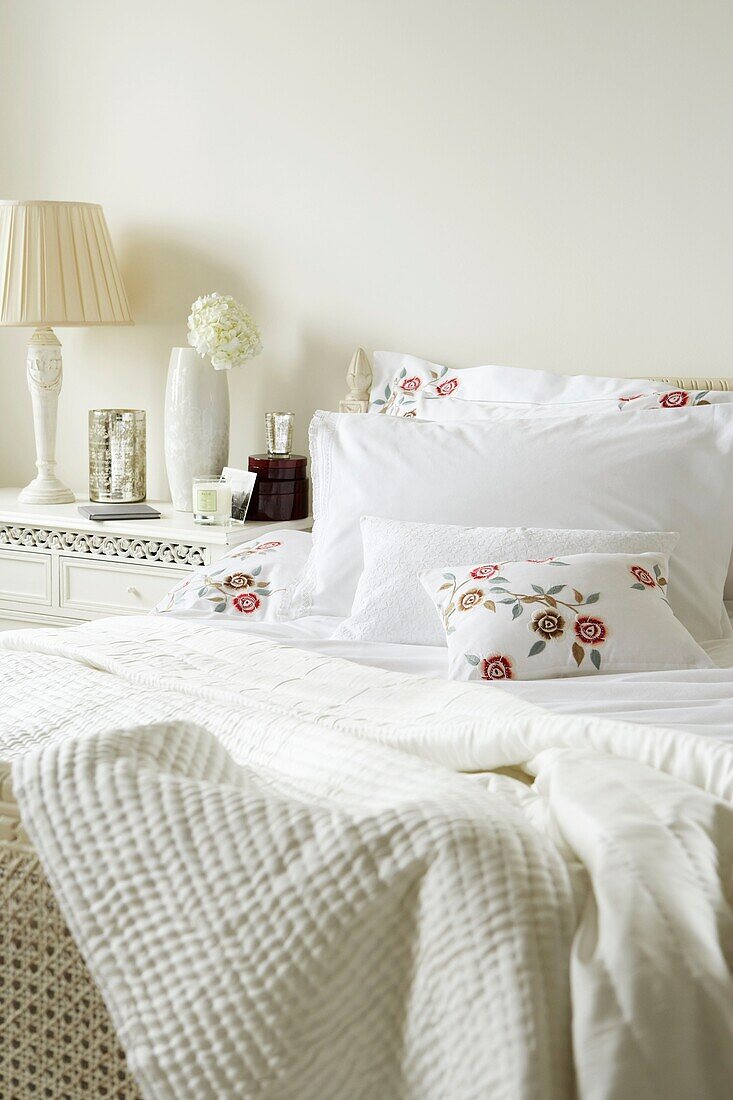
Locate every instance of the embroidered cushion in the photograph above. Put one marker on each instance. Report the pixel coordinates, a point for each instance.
(390, 604)
(246, 584)
(574, 615)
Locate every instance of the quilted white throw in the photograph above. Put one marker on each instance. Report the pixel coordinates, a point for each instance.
(286, 889)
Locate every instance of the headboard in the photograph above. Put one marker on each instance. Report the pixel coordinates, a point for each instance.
(359, 381)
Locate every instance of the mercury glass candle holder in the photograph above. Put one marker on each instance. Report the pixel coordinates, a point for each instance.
(279, 426)
(117, 455)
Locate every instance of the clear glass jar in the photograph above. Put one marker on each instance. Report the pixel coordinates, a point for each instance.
(212, 500)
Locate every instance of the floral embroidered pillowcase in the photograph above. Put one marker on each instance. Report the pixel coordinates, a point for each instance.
(575, 615)
(407, 386)
(418, 401)
(246, 584)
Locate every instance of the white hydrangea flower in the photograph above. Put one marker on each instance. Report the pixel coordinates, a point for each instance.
(221, 328)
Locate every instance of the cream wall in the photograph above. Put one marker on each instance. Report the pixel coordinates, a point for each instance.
(534, 182)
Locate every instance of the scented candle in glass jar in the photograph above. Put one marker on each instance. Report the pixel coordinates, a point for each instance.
(212, 500)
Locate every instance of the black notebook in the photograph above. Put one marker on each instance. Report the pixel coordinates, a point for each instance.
(118, 511)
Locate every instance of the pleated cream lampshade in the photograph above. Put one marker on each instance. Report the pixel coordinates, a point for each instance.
(58, 267)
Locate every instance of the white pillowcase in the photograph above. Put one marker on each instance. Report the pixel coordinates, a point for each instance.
(246, 584)
(578, 615)
(636, 471)
(397, 374)
(390, 604)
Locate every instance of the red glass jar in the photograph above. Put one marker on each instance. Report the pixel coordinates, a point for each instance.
(281, 489)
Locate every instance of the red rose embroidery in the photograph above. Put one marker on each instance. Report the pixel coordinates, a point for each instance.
(497, 668)
(675, 399)
(268, 545)
(643, 576)
(590, 631)
(484, 572)
(444, 388)
(247, 603)
(409, 385)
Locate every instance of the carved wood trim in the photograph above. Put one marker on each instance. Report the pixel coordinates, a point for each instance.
(359, 381)
(120, 547)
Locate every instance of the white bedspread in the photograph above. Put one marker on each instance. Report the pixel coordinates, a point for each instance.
(285, 889)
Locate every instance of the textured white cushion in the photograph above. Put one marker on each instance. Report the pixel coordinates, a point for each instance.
(637, 471)
(577, 615)
(390, 604)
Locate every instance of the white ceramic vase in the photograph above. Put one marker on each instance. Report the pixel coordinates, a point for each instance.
(196, 423)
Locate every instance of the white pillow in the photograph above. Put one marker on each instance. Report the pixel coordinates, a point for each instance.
(396, 375)
(578, 615)
(245, 584)
(390, 604)
(636, 471)
(455, 407)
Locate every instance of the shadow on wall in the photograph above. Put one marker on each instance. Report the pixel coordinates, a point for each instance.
(163, 277)
(315, 379)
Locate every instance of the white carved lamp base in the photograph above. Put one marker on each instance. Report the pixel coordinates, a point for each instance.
(45, 374)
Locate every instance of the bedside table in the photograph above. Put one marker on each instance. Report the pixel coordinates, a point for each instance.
(58, 568)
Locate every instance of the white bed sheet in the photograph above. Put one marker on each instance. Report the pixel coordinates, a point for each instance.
(699, 700)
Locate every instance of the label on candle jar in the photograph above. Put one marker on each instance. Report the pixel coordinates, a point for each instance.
(206, 500)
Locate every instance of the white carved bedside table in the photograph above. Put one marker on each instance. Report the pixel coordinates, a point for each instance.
(57, 568)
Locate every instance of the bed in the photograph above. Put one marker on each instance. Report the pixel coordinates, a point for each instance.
(206, 805)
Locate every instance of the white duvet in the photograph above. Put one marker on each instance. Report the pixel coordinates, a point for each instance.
(285, 888)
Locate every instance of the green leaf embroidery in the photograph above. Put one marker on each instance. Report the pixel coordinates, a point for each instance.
(538, 589)
(657, 572)
(593, 598)
(449, 576)
(536, 648)
(595, 658)
(517, 610)
(471, 658)
(555, 589)
(639, 587)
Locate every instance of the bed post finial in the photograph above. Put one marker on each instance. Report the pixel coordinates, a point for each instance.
(359, 381)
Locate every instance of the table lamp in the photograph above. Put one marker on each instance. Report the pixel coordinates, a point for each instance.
(57, 267)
